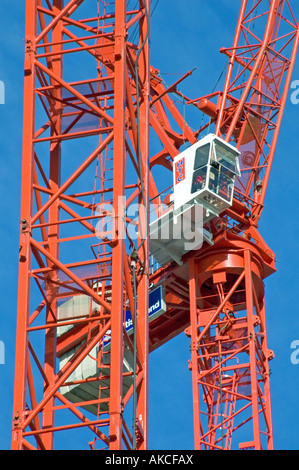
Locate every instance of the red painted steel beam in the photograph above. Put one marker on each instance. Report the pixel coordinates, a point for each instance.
(140, 440)
(115, 429)
(48, 416)
(25, 255)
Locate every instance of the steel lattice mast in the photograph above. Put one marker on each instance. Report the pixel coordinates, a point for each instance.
(89, 109)
(230, 355)
(90, 98)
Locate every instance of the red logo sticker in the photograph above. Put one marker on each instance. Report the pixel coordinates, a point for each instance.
(180, 171)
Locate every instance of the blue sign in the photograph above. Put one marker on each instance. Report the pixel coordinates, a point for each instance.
(156, 307)
(156, 302)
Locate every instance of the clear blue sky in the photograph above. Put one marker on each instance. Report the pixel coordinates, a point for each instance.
(185, 34)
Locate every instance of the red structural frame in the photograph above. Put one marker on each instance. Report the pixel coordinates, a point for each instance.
(90, 100)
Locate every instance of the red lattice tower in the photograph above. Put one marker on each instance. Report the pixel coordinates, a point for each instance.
(90, 99)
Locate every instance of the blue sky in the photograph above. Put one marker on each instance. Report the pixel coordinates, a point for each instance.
(184, 35)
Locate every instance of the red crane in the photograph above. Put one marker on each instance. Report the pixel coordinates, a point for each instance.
(91, 304)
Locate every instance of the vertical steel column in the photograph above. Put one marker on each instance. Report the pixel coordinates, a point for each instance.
(194, 348)
(143, 67)
(252, 350)
(267, 390)
(21, 357)
(117, 307)
(53, 232)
